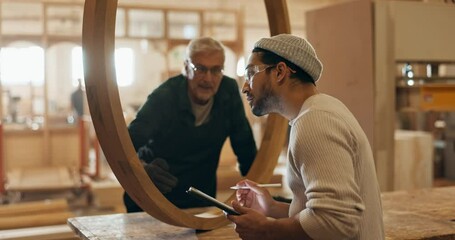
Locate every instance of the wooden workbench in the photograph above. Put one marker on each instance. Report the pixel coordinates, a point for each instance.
(419, 214)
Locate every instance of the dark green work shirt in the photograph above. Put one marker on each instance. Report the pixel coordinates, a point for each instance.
(193, 152)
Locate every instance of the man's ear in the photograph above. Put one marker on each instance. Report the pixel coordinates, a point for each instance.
(280, 72)
(186, 67)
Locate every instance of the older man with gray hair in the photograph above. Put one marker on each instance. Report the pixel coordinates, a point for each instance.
(180, 130)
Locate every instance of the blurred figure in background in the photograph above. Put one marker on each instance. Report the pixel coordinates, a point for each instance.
(77, 100)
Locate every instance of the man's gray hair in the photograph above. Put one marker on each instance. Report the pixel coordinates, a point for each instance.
(203, 44)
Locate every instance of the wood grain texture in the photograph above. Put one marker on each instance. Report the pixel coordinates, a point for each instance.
(33, 208)
(420, 214)
(102, 93)
(425, 214)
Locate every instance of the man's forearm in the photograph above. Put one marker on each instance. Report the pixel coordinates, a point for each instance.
(278, 210)
(287, 228)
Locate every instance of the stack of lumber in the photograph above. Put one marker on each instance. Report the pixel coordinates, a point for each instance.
(33, 214)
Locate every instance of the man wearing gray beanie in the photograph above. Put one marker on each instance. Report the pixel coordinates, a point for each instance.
(330, 166)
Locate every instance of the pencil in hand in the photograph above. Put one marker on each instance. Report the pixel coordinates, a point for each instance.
(267, 185)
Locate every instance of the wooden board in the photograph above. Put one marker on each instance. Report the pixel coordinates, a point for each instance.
(42, 179)
(32, 208)
(24, 148)
(41, 219)
(420, 214)
(425, 214)
(55, 232)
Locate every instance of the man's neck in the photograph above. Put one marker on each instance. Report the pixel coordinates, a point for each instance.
(294, 98)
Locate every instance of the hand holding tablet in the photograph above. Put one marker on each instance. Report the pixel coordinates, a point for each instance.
(228, 209)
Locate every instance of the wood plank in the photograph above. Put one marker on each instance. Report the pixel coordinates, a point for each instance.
(420, 214)
(32, 208)
(41, 179)
(64, 147)
(55, 232)
(42, 219)
(15, 156)
(133, 226)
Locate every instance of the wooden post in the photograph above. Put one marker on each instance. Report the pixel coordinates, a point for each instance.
(96, 147)
(2, 162)
(83, 157)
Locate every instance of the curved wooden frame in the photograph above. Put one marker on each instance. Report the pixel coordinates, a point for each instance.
(98, 37)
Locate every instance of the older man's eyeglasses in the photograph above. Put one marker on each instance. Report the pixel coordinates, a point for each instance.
(202, 70)
(251, 71)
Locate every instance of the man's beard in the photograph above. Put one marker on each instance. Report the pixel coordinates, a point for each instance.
(265, 104)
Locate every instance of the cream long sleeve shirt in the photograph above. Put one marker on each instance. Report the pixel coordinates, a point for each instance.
(331, 173)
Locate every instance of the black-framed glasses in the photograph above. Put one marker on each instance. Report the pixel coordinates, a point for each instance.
(252, 70)
(202, 70)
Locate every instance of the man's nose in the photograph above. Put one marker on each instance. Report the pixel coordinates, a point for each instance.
(209, 76)
(245, 87)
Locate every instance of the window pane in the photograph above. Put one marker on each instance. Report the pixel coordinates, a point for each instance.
(120, 23)
(146, 23)
(21, 18)
(64, 20)
(184, 25)
(77, 66)
(21, 66)
(220, 25)
(124, 66)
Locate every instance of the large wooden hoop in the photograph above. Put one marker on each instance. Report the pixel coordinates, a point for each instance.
(98, 42)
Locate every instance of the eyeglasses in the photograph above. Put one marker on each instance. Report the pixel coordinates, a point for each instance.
(202, 70)
(253, 70)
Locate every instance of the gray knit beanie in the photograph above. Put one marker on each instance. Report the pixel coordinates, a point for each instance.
(294, 49)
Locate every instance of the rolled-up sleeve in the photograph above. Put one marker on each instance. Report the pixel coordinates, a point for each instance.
(323, 160)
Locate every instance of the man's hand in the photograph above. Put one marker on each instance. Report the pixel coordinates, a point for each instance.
(145, 152)
(250, 224)
(158, 171)
(254, 197)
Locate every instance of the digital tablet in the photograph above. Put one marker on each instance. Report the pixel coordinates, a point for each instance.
(228, 209)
